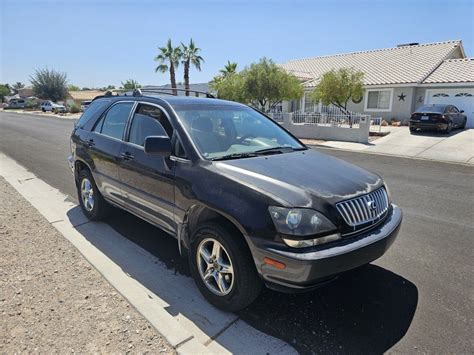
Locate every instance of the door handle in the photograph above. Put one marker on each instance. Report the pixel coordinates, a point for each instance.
(127, 156)
(90, 143)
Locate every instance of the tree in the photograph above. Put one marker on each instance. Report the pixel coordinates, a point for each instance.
(17, 86)
(230, 87)
(49, 84)
(337, 87)
(229, 69)
(4, 91)
(263, 85)
(168, 60)
(131, 84)
(73, 88)
(266, 85)
(190, 55)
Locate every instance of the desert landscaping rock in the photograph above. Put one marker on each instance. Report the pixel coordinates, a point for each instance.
(52, 299)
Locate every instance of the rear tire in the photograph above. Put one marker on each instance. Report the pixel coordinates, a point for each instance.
(92, 203)
(463, 126)
(412, 130)
(449, 128)
(238, 288)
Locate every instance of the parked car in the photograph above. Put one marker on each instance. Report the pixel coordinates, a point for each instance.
(53, 107)
(249, 204)
(437, 117)
(85, 105)
(17, 103)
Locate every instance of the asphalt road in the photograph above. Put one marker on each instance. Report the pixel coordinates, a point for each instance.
(419, 297)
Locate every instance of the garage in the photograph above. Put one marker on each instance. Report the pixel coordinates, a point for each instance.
(462, 98)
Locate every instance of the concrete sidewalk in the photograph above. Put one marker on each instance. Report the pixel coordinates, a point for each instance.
(456, 147)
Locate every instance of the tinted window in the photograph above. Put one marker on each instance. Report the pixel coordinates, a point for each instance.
(115, 120)
(94, 108)
(432, 108)
(454, 109)
(148, 121)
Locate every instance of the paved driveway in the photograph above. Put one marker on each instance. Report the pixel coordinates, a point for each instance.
(458, 146)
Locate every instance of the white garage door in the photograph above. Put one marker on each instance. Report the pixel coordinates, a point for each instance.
(463, 99)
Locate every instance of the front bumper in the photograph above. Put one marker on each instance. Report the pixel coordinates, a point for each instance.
(70, 162)
(310, 268)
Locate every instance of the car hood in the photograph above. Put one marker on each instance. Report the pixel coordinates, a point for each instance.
(300, 179)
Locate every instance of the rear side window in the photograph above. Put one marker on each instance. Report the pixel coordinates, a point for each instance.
(94, 108)
(148, 121)
(115, 120)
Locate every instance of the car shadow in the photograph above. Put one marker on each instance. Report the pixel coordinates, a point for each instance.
(437, 134)
(367, 310)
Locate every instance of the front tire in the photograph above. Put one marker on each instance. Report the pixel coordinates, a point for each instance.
(223, 268)
(92, 203)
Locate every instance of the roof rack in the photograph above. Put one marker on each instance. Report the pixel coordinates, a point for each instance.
(160, 90)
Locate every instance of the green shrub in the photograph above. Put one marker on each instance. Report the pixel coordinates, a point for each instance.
(74, 108)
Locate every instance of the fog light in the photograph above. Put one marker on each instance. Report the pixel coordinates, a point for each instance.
(311, 242)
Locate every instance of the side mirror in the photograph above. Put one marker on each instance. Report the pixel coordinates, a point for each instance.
(159, 145)
(462, 111)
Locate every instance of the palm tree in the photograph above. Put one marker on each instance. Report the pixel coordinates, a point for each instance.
(190, 56)
(229, 69)
(169, 58)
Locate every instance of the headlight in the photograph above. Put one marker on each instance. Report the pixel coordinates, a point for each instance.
(299, 221)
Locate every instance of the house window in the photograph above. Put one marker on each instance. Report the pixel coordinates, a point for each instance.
(463, 94)
(379, 100)
(442, 94)
(309, 103)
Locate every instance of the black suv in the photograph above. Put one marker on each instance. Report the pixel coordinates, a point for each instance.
(249, 204)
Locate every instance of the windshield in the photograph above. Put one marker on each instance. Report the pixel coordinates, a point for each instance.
(232, 132)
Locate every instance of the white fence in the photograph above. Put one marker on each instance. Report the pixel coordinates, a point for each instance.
(328, 123)
(329, 116)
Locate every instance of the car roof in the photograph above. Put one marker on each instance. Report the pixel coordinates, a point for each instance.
(175, 100)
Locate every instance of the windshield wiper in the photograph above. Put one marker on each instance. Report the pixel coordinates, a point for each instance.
(235, 156)
(275, 150)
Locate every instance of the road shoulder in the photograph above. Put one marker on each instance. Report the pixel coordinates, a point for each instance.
(53, 299)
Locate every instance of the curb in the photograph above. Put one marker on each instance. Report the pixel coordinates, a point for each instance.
(391, 155)
(59, 117)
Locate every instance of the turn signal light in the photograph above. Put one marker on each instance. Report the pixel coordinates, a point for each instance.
(274, 263)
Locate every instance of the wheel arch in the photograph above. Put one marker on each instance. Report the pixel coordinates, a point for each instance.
(199, 214)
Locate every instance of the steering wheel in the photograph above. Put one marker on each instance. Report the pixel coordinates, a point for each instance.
(245, 136)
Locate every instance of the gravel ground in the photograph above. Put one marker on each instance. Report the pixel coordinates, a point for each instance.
(52, 299)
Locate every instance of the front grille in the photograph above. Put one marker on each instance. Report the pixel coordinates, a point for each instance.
(364, 209)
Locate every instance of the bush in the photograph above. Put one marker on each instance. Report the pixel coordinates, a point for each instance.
(74, 109)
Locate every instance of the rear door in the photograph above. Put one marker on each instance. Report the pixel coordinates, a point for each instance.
(148, 180)
(105, 142)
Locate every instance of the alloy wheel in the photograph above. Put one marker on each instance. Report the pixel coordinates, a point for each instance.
(215, 266)
(87, 194)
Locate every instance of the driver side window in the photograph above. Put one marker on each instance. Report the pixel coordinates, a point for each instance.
(148, 121)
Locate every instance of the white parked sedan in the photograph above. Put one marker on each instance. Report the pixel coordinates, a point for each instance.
(53, 107)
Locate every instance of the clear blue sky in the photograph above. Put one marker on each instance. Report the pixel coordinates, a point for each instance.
(104, 42)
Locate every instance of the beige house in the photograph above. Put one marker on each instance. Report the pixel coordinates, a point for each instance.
(397, 80)
(76, 97)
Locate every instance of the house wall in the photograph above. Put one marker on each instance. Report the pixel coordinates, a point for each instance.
(400, 110)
